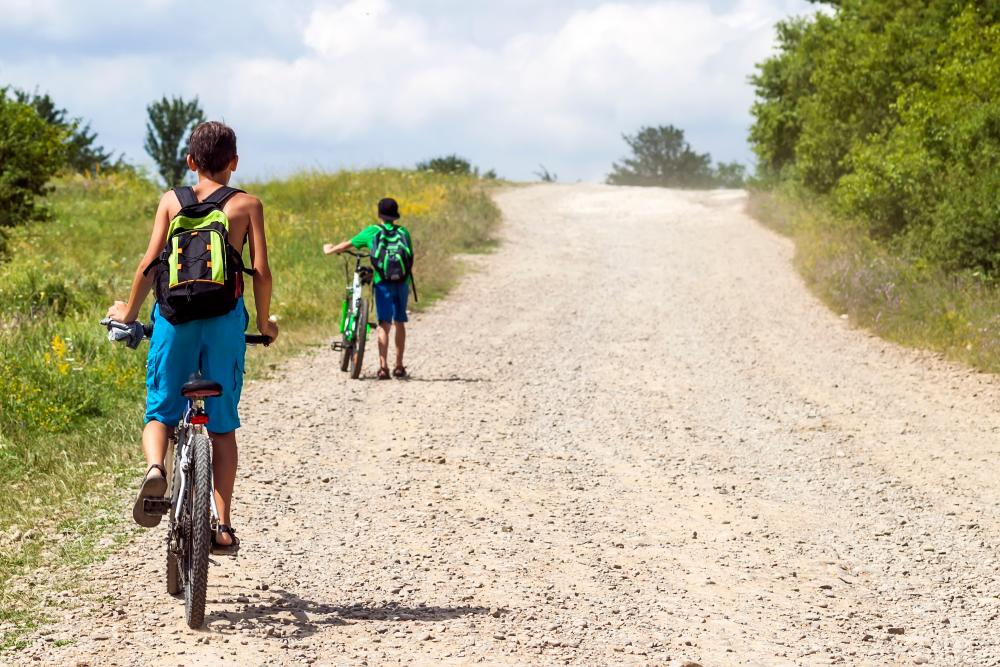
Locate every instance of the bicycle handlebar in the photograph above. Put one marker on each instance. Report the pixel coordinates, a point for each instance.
(257, 339)
(119, 331)
(359, 255)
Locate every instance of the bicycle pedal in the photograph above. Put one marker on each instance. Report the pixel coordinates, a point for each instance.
(156, 505)
(336, 346)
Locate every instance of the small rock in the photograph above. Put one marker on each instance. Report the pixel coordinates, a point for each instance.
(896, 631)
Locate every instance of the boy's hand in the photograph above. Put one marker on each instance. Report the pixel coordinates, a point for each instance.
(268, 328)
(329, 249)
(119, 313)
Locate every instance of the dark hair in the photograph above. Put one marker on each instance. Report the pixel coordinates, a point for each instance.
(212, 146)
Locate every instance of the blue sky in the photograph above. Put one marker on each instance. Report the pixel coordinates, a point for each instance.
(356, 83)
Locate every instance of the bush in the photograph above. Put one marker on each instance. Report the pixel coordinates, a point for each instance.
(448, 164)
(894, 109)
(81, 152)
(31, 151)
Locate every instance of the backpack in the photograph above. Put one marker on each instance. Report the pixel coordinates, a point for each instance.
(392, 254)
(198, 273)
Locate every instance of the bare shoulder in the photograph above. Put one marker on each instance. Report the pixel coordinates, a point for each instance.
(245, 202)
(169, 203)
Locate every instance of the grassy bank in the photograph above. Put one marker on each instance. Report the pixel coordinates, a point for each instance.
(907, 301)
(71, 403)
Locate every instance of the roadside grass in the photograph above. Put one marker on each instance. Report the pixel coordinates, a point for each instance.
(71, 403)
(909, 302)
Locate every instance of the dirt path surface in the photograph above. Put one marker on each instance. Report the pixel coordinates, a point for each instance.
(631, 437)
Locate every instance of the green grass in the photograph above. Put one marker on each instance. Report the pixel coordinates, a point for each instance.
(71, 403)
(910, 302)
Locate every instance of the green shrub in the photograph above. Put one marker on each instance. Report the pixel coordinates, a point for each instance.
(893, 107)
(447, 164)
(31, 151)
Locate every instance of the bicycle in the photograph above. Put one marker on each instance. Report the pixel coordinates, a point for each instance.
(354, 324)
(190, 499)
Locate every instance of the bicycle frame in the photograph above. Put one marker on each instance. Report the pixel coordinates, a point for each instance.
(353, 296)
(190, 426)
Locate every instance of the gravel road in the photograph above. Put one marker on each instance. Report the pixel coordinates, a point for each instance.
(631, 436)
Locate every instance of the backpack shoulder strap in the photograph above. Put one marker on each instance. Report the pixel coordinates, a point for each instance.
(185, 195)
(220, 196)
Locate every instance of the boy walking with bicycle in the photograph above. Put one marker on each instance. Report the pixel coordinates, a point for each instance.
(391, 251)
(194, 261)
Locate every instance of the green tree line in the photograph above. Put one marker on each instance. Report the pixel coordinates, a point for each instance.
(891, 109)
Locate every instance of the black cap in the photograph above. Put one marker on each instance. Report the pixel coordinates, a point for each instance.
(388, 209)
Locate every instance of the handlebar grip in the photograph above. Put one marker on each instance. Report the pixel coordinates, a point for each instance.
(255, 339)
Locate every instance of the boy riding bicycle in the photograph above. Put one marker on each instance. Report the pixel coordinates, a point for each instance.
(206, 337)
(392, 258)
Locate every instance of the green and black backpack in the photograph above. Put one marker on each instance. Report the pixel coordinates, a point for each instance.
(392, 254)
(198, 273)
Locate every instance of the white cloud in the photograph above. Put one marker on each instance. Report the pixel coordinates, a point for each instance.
(368, 73)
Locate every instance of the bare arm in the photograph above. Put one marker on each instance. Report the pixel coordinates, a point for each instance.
(141, 284)
(262, 271)
(331, 249)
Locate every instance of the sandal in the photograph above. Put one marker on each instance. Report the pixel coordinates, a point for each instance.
(225, 549)
(383, 373)
(152, 487)
(399, 372)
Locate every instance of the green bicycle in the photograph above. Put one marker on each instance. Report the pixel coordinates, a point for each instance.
(354, 324)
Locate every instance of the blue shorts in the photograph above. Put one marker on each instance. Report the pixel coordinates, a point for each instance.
(214, 346)
(390, 301)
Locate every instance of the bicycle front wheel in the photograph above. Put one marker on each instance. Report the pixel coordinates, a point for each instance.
(199, 533)
(360, 334)
(345, 352)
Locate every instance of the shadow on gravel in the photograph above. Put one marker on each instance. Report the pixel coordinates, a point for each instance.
(453, 378)
(286, 614)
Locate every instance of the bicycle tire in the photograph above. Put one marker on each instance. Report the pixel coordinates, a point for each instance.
(345, 352)
(199, 534)
(360, 335)
(174, 583)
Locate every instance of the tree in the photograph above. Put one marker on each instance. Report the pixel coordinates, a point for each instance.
(81, 153)
(661, 157)
(448, 164)
(545, 176)
(730, 175)
(167, 132)
(31, 152)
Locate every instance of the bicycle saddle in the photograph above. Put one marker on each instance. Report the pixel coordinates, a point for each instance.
(199, 387)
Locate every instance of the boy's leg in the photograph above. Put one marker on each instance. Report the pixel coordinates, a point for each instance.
(383, 343)
(400, 343)
(172, 357)
(223, 352)
(225, 458)
(401, 294)
(154, 445)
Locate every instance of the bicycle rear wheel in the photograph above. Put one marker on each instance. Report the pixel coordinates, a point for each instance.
(360, 334)
(199, 533)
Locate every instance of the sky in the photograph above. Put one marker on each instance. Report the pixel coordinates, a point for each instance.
(317, 84)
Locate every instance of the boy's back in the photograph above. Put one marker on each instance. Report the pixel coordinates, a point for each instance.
(241, 209)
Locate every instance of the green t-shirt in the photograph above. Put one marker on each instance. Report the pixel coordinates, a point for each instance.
(364, 239)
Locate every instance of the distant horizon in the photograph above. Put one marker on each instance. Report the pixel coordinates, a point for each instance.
(311, 86)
